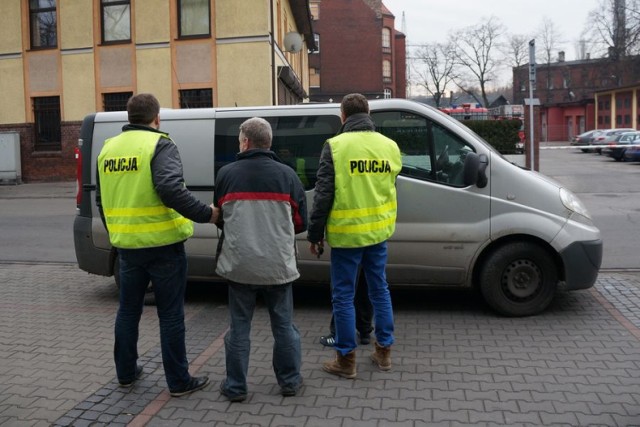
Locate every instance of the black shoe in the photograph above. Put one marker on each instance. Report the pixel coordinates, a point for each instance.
(195, 384)
(290, 391)
(232, 397)
(328, 340)
(365, 339)
(129, 383)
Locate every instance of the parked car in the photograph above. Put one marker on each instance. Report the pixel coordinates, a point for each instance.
(607, 137)
(584, 139)
(632, 154)
(617, 148)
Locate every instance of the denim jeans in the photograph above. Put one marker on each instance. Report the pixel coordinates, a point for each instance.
(166, 268)
(344, 270)
(287, 354)
(364, 309)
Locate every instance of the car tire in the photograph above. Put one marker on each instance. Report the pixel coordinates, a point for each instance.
(518, 279)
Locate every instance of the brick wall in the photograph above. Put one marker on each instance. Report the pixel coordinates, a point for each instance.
(47, 166)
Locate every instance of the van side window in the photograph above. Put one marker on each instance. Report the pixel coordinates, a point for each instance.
(429, 151)
(297, 140)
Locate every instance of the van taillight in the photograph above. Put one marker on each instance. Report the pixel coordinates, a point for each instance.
(78, 155)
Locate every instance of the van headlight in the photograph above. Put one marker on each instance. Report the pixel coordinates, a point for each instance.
(571, 202)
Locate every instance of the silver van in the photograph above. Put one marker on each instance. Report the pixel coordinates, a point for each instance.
(467, 217)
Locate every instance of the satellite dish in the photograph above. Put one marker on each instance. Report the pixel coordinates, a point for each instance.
(292, 42)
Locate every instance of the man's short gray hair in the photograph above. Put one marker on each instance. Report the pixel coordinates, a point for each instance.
(258, 131)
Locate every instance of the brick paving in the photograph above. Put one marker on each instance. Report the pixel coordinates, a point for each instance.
(456, 363)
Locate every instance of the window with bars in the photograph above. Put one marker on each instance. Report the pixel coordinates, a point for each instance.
(43, 24)
(196, 98)
(116, 101)
(116, 20)
(46, 113)
(194, 18)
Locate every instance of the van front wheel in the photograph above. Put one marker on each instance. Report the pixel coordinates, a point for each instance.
(518, 279)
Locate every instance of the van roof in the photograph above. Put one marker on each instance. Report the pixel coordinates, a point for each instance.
(307, 108)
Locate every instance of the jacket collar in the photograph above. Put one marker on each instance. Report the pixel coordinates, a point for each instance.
(255, 153)
(359, 122)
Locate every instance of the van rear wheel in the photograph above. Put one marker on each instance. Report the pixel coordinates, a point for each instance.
(519, 279)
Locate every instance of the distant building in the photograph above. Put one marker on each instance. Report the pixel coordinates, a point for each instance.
(567, 93)
(63, 59)
(359, 50)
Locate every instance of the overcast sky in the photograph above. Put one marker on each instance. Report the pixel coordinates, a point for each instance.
(429, 21)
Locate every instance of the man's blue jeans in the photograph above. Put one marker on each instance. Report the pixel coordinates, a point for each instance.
(287, 354)
(344, 271)
(166, 268)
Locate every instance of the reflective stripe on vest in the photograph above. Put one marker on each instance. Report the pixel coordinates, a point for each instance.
(134, 213)
(364, 207)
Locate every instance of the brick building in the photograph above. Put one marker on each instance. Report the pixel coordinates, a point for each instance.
(62, 59)
(359, 51)
(567, 93)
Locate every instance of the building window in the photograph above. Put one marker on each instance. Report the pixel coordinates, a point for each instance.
(46, 114)
(194, 17)
(116, 20)
(116, 101)
(387, 93)
(43, 21)
(386, 70)
(316, 38)
(627, 119)
(314, 8)
(386, 39)
(196, 98)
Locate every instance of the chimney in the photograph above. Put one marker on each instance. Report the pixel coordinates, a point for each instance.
(561, 56)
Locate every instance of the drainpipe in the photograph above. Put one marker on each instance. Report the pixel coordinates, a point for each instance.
(273, 56)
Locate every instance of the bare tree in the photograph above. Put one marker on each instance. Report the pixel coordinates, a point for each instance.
(516, 49)
(548, 40)
(475, 48)
(434, 67)
(615, 28)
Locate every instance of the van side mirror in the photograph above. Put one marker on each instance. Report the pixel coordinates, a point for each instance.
(475, 167)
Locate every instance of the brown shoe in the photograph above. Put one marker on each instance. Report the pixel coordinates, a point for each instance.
(342, 366)
(382, 357)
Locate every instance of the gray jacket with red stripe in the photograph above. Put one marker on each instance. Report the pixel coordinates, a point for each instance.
(263, 207)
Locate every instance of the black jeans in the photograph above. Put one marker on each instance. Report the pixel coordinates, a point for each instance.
(364, 309)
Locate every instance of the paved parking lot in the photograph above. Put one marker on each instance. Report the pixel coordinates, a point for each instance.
(455, 362)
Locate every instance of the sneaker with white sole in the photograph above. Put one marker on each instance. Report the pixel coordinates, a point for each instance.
(328, 340)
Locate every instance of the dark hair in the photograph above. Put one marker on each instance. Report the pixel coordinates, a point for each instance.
(354, 103)
(142, 108)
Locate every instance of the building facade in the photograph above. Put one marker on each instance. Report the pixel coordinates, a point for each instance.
(568, 90)
(359, 50)
(63, 59)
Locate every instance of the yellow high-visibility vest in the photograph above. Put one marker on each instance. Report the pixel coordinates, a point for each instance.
(364, 206)
(135, 215)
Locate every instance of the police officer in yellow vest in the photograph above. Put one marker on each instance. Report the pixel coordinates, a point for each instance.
(145, 205)
(355, 204)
